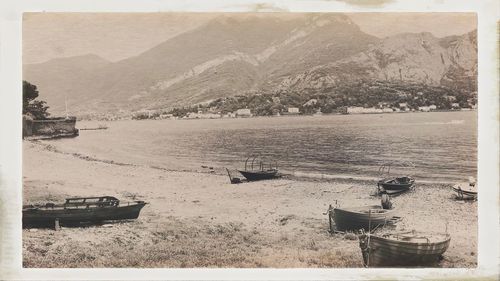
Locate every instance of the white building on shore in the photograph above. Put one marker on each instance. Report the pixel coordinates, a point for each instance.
(201, 115)
(363, 110)
(243, 112)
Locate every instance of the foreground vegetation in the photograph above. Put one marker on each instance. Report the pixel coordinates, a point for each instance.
(189, 243)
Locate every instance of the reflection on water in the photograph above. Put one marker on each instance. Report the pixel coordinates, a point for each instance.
(441, 145)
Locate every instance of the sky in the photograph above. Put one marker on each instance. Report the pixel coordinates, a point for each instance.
(121, 35)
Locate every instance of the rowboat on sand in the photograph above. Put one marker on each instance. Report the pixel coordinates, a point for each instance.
(395, 185)
(356, 218)
(465, 191)
(403, 249)
(260, 175)
(81, 210)
(257, 169)
(362, 218)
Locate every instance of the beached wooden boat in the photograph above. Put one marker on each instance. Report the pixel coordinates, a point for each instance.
(256, 169)
(403, 249)
(356, 218)
(395, 185)
(81, 210)
(259, 175)
(465, 191)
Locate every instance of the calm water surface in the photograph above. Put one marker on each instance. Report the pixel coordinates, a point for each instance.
(441, 145)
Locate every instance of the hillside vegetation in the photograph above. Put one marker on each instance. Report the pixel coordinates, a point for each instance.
(377, 94)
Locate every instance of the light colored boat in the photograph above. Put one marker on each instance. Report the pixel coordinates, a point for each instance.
(403, 249)
(465, 191)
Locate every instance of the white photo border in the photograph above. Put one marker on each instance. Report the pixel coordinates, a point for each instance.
(11, 12)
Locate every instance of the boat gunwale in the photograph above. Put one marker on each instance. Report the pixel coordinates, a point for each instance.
(385, 181)
(39, 218)
(260, 172)
(256, 175)
(464, 191)
(402, 243)
(354, 210)
(82, 206)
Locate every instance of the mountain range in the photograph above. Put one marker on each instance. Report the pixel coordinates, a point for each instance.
(249, 54)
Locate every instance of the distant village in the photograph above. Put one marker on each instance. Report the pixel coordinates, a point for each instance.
(365, 97)
(213, 113)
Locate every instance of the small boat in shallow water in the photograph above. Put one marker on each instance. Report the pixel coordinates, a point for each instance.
(403, 249)
(81, 210)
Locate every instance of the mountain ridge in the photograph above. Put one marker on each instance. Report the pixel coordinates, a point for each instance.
(228, 57)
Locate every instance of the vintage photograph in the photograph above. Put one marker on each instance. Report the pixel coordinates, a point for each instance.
(249, 140)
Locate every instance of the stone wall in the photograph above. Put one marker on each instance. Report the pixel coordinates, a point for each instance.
(56, 127)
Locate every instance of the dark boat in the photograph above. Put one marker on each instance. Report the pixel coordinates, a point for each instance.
(465, 191)
(81, 210)
(403, 249)
(257, 169)
(365, 217)
(395, 185)
(356, 218)
(259, 175)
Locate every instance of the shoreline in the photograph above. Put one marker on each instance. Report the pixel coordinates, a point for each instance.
(294, 175)
(201, 220)
(129, 117)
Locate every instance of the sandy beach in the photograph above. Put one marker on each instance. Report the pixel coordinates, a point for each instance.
(201, 220)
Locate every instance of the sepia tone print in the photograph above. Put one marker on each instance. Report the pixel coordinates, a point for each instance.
(249, 140)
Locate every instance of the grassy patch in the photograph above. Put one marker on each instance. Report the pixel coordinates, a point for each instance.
(175, 243)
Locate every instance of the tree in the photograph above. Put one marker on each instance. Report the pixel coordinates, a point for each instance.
(37, 108)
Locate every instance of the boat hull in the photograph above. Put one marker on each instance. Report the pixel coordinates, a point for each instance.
(395, 191)
(75, 216)
(394, 186)
(260, 175)
(464, 194)
(384, 252)
(352, 219)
